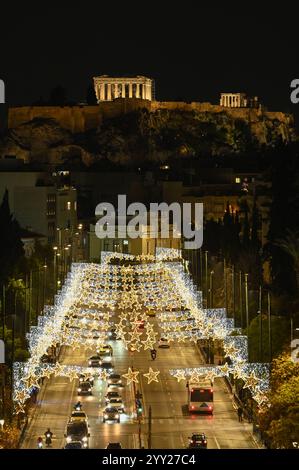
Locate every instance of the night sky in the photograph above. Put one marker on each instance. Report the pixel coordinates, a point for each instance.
(192, 52)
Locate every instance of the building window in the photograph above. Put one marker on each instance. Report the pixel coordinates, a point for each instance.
(238, 180)
(51, 205)
(75, 206)
(68, 205)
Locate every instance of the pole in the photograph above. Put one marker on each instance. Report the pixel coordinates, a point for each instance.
(241, 298)
(149, 427)
(206, 277)
(269, 326)
(292, 327)
(12, 350)
(30, 297)
(234, 294)
(201, 268)
(3, 312)
(246, 303)
(261, 324)
(225, 285)
(211, 289)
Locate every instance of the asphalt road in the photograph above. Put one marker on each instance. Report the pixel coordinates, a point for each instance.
(171, 422)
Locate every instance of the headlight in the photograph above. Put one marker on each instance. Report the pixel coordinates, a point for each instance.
(119, 381)
(121, 405)
(89, 389)
(84, 439)
(85, 445)
(89, 363)
(106, 416)
(117, 416)
(79, 389)
(68, 439)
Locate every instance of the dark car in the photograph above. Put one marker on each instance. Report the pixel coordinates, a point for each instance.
(110, 395)
(198, 441)
(111, 414)
(114, 445)
(77, 431)
(114, 380)
(94, 361)
(74, 445)
(112, 335)
(84, 388)
(107, 365)
(83, 378)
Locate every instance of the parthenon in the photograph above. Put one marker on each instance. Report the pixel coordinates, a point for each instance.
(233, 100)
(109, 88)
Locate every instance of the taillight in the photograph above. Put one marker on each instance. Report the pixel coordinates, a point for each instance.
(192, 407)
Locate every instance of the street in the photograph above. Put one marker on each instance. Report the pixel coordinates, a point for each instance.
(171, 422)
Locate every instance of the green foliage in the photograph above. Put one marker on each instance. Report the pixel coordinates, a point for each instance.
(280, 420)
(280, 330)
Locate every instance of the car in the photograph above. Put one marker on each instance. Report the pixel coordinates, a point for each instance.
(151, 313)
(111, 414)
(198, 441)
(118, 404)
(94, 361)
(140, 324)
(84, 388)
(114, 445)
(107, 365)
(163, 343)
(114, 380)
(83, 378)
(112, 335)
(110, 395)
(105, 350)
(77, 431)
(74, 445)
(78, 416)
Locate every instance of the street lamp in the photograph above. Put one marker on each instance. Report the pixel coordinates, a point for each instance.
(2, 424)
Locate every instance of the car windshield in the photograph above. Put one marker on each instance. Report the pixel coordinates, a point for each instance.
(114, 376)
(79, 414)
(78, 428)
(111, 410)
(112, 395)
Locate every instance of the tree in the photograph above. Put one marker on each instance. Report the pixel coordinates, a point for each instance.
(290, 244)
(11, 246)
(279, 334)
(280, 421)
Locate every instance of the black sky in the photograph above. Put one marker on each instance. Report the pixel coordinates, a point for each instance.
(192, 51)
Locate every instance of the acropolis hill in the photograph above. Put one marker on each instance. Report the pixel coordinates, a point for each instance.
(82, 118)
(128, 124)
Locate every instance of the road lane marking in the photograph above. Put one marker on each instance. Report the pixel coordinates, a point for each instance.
(217, 443)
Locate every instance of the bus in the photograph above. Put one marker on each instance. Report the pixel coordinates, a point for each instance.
(200, 397)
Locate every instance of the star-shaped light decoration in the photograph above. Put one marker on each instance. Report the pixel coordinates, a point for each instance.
(210, 375)
(135, 346)
(131, 376)
(194, 377)
(135, 335)
(225, 369)
(148, 344)
(152, 376)
(251, 381)
(104, 375)
(21, 396)
(230, 350)
(180, 375)
(72, 374)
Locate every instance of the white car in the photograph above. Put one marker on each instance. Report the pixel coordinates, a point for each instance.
(118, 404)
(163, 343)
(78, 416)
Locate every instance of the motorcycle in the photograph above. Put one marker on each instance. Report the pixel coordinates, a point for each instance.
(48, 439)
(153, 354)
(78, 407)
(40, 443)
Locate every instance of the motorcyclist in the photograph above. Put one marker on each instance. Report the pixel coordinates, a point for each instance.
(78, 406)
(153, 354)
(40, 442)
(48, 435)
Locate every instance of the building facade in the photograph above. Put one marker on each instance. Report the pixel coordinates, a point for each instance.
(109, 88)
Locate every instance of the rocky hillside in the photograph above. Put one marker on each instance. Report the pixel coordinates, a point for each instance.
(144, 136)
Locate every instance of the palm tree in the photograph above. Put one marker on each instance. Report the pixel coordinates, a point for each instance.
(290, 244)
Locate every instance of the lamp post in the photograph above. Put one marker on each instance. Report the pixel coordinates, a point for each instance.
(206, 276)
(211, 290)
(246, 302)
(269, 326)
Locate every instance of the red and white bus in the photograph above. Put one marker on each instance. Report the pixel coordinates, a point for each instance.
(201, 397)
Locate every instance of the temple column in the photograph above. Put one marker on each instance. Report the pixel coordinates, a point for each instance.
(137, 90)
(102, 92)
(123, 90)
(130, 90)
(143, 91)
(109, 91)
(115, 90)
